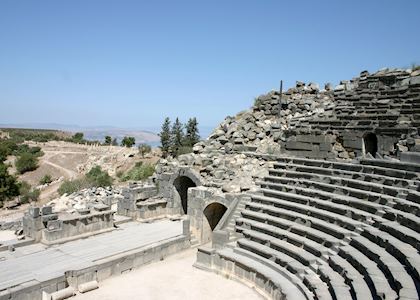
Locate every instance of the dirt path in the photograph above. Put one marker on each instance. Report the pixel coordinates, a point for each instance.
(69, 173)
(174, 278)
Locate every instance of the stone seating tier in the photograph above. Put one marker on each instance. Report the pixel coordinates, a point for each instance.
(341, 230)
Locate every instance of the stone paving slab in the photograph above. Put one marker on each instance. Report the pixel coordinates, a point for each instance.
(39, 263)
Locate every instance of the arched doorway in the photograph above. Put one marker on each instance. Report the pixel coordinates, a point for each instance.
(371, 143)
(182, 184)
(214, 212)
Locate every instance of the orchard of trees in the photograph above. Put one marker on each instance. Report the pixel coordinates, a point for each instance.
(177, 138)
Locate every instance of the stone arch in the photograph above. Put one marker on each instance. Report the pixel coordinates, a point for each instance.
(182, 180)
(370, 143)
(182, 184)
(213, 213)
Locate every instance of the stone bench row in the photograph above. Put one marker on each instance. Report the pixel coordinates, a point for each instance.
(299, 262)
(377, 127)
(343, 123)
(366, 166)
(332, 236)
(274, 280)
(358, 288)
(405, 166)
(356, 209)
(368, 98)
(334, 224)
(327, 130)
(400, 108)
(342, 173)
(372, 192)
(307, 252)
(400, 281)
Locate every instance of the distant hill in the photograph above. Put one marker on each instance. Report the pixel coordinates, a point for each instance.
(95, 133)
(140, 135)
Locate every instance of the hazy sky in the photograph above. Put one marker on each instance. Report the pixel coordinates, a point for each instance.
(131, 63)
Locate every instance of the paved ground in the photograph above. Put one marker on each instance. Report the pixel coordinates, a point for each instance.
(6, 235)
(39, 263)
(173, 278)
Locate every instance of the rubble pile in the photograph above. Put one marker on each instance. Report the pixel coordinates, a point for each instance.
(86, 199)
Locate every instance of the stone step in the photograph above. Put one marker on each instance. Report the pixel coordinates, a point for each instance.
(308, 276)
(363, 168)
(396, 244)
(324, 209)
(395, 272)
(331, 170)
(288, 285)
(353, 278)
(329, 227)
(366, 192)
(405, 253)
(364, 209)
(329, 220)
(374, 276)
(390, 164)
(320, 237)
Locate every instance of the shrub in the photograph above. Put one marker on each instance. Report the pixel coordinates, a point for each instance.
(78, 137)
(6, 148)
(99, 177)
(26, 162)
(257, 101)
(9, 187)
(95, 177)
(184, 150)
(139, 172)
(46, 179)
(144, 149)
(27, 194)
(108, 140)
(75, 185)
(128, 141)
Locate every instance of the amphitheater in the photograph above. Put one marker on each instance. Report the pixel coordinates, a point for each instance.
(310, 194)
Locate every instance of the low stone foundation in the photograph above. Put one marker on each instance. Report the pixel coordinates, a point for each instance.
(44, 226)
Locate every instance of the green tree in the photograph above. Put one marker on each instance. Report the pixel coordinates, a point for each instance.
(177, 135)
(26, 162)
(99, 177)
(7, 147)
(192, 135)
(70, 186)
(78, 137)
(108, 140)
(139, 172)
(9, 187)
(165, 137)
(46, 179)
(128, 141)
(144, 149)
(4, 152)
(27, 193)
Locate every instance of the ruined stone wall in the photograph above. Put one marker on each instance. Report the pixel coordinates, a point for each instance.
(385, 103)
(42, 224)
